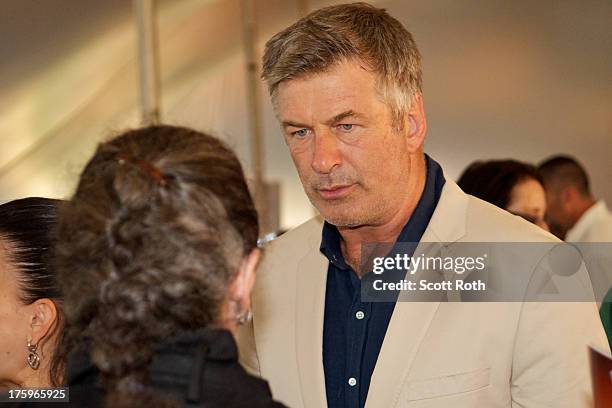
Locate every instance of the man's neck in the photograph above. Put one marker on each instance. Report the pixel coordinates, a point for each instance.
(388, 230)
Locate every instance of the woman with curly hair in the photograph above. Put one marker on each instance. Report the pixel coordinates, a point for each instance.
(157, 254)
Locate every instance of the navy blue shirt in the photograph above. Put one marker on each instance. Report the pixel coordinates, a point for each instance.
(353, 331)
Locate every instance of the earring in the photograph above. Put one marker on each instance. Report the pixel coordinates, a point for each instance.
(244, 317)
(33, 357)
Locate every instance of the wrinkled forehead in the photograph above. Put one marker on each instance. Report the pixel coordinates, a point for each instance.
(339, 65)
(344, 87)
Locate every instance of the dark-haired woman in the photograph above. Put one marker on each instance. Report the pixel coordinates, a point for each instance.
(508, 184)
(157, 254)
(30, 302)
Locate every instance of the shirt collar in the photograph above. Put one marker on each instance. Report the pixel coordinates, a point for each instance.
(412, 230)
(588, 219)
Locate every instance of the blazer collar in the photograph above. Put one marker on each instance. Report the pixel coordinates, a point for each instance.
(310, 299)
(449, 220)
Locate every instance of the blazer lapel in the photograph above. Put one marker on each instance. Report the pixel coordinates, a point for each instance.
(449, 220)
(310, 305)
(407, 328)
(411, 319)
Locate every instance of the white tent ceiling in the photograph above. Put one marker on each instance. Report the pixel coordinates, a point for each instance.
(502, 79)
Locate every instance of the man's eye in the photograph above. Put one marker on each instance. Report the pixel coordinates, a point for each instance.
(300, 133)
(346, 127)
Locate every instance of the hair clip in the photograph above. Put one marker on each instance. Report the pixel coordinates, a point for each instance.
(148, 168)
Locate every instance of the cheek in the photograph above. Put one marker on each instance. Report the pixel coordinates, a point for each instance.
(300, 159)
(13, 337)
(380, 167)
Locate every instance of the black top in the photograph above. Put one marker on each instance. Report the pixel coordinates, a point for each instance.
(200, 369)
(353, 331)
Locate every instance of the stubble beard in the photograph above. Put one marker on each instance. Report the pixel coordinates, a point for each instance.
(347, 212)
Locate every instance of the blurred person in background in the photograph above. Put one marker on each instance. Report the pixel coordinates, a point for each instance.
(573, 214)
(509, 184)
(156, 256)
(576, 216)
(30, 300)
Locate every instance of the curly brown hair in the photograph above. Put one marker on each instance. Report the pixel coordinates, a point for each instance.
(157, 227)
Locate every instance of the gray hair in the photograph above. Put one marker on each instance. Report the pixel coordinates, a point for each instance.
(147, 246)
(356, 31)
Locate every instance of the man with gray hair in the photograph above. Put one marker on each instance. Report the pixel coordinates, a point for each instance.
(346, 86)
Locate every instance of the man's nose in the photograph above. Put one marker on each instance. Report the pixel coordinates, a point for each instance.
(326, 153)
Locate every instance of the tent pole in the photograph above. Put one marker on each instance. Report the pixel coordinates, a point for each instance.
(148, 60)
(249, 35)
(303, 7)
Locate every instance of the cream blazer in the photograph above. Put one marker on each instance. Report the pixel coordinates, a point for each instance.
(435, 354)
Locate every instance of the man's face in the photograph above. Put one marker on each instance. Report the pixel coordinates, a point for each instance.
(556, 215)
(353, 164)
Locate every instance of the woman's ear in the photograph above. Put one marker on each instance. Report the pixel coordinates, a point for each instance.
(43, 317)
(242, 285)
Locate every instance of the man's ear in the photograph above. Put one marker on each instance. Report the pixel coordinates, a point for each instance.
(415, 124)
(43, 317)
(242, 285)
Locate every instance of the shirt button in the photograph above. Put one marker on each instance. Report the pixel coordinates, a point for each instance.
(359, 315)
(352, 382)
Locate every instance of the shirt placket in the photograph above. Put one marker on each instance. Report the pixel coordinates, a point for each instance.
(357, 325)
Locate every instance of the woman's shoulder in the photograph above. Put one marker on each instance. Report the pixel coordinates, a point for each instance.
(199, 368)
(203, 367)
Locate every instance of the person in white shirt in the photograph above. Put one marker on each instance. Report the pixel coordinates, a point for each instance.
(573, 214)
(595, 225)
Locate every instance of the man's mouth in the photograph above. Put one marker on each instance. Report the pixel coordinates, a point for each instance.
(335, 192)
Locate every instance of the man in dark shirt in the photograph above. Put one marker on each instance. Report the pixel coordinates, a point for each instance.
(345, 83)
(353, 330)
